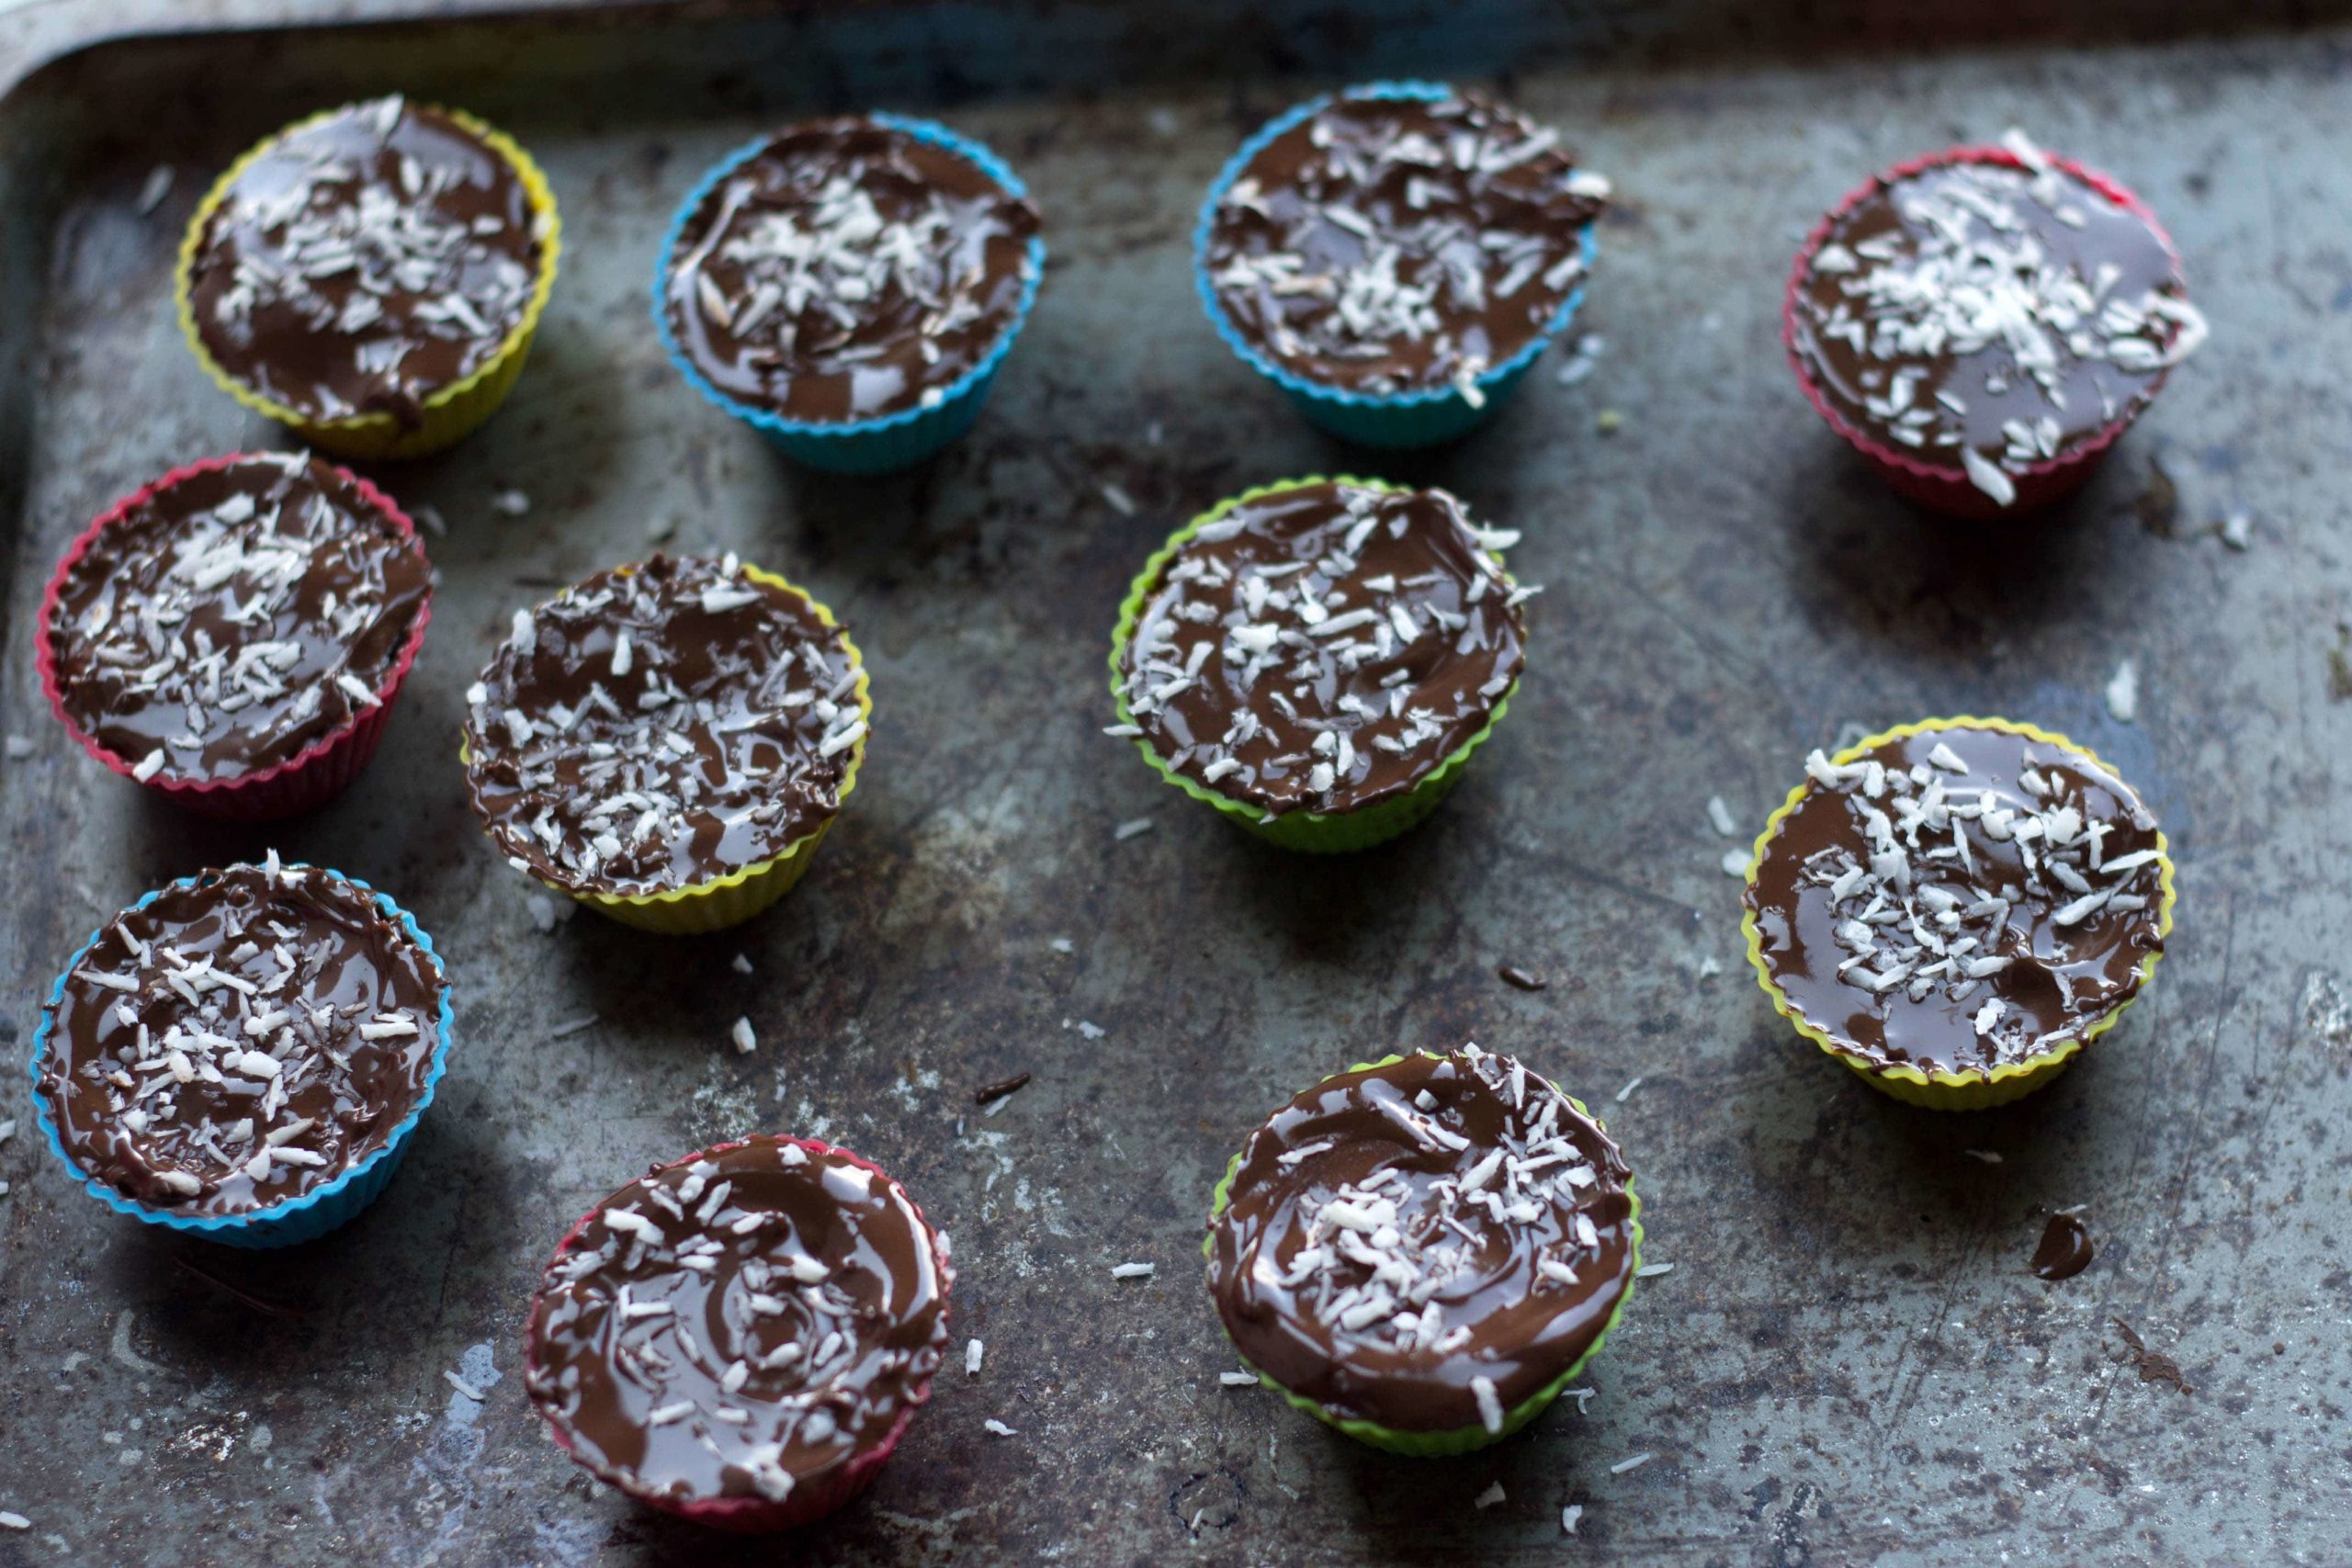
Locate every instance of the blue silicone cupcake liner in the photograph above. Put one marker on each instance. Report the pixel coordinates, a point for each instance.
(870, 445)
(314, 1214)
(1399, 419)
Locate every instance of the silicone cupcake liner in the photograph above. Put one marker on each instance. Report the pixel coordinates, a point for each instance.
(1316, 833)
(1398, 419)
(315, 1213)
(314, 775)
(721, 901)
(1942, 1088)
(1946, 490)
(810, 1500)
(449, 414)
(891, 442)
(1460, 1440)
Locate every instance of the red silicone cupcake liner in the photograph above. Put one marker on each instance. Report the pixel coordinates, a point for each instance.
(810, 1500)
(1943, 489)
(314, 775)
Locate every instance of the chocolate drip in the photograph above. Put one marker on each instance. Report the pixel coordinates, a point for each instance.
(1426, 1244)
(1880, 931)
(364, 262)
(1984, 318)
(1324, 646)
(2066, 1249)
(662, 725)
(1393, 245)
(239, 1042)
(739, 1323)
(234, 618)
(847, 271)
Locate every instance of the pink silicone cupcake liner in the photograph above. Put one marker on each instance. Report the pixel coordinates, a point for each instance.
(314, 775)
(810, 1500)
(1944, 490)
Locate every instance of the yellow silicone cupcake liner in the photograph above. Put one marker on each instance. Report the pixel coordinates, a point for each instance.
(1460, 1440)
(723, 901)
(1941, 1089)
(1313, 832)
(450, 414)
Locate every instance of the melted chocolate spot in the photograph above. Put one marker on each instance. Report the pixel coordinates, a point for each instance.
(847, 271)
(1396, 245)
(2064, 1250)
(1324, 646)
(242, 1040)
(364, 262)
(740, 1323)
(1398, 1234)
(235, 618)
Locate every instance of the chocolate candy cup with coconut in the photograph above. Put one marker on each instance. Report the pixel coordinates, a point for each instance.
(669, 742)
(1423, 1252)
(233, 635)
(849, 288)
(1982, 325)
(371, 276)
(1318, 658)
(1395, 258)
(242, 1056)
(741, 1338)
(1955, 908)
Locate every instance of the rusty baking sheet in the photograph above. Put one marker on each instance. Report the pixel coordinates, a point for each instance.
(1850, 1360)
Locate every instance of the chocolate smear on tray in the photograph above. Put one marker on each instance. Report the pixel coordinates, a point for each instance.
(2065, 1249)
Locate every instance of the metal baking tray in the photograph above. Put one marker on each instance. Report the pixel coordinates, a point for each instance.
(1849, 1361)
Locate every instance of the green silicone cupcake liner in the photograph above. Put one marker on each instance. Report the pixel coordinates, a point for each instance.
(1459, 1439)
(1942, 1088)
(1313, 832)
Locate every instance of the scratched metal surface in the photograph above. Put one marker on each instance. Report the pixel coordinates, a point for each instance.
(1850, 1361)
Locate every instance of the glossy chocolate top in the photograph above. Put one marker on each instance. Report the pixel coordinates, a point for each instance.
(236, 1044)
(1424, 1245)
(662, 725)
(740, 1323)
(235, 618)
(1985, 318)
(367, 261)
(1391, 246)
(1324, 646)
(1959, 898)
(847, 271)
